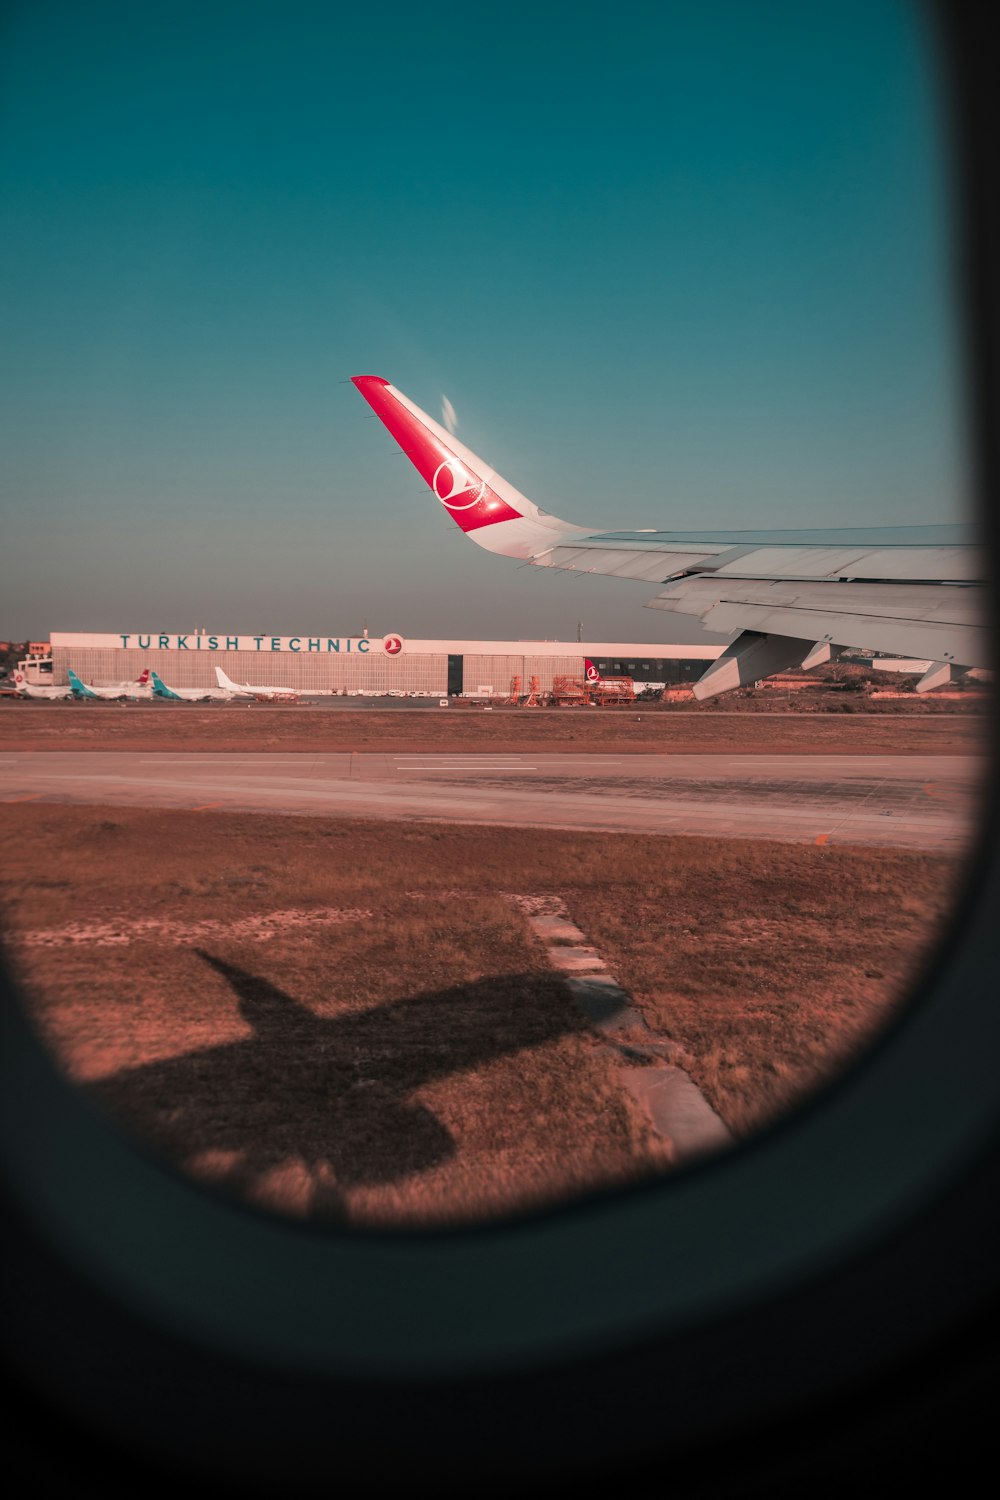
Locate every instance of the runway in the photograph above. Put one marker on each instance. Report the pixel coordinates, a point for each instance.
(924, 802)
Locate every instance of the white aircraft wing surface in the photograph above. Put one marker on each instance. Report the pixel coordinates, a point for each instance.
(795, 596)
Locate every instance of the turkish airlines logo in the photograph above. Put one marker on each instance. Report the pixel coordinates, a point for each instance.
(593, 675)
(453, 484)
(392, 645)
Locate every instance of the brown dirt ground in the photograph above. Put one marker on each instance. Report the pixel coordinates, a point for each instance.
(637, 729)
(424, 1065)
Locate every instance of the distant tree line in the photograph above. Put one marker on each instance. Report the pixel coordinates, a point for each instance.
(11, 652)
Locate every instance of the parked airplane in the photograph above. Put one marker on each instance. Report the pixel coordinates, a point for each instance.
(140, 688)
(33, 690)
(246, 690)
(795, 597)
(187, 695)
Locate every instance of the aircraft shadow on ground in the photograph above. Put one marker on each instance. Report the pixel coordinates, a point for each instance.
(333, 1094)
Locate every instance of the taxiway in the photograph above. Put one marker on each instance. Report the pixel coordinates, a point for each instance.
(913, 802)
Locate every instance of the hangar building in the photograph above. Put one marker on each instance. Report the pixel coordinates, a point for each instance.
(362, 664)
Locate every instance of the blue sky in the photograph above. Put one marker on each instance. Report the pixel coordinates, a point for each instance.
(672, 264)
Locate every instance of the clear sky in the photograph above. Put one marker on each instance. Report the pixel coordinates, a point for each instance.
(672, 264)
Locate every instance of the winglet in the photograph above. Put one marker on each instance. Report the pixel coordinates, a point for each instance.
(487, 508)
(457, 477)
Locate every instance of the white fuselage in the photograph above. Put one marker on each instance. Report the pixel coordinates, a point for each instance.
(191, 695)
(123, 690)
(248, 690)
(31, 691)
(198, 695)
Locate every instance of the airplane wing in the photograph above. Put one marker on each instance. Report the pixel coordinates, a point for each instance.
(795, 597)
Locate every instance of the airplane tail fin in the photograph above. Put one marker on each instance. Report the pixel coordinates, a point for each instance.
(590, 671)
(487, 508)
(143, 678)
(223, 680)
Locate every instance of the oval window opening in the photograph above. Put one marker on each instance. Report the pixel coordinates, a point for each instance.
(291, 908)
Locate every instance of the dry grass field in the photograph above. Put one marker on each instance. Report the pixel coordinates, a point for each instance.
(347, 1020)
(637, 729)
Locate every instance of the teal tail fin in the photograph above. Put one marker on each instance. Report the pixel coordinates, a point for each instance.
(80, 689)
(160, 689)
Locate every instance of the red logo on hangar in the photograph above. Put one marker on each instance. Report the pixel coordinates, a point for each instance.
(392, 645)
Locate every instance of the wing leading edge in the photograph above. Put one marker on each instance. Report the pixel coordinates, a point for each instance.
(795, 597)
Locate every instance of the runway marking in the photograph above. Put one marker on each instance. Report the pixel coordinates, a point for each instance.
(206, 805)
(511, 759)
(31, 797)
(185, 758)
(460, 763)
(476, 767)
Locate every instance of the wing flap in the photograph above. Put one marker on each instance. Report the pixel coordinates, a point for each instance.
(938, 622)
(647, 565)
(956, 564)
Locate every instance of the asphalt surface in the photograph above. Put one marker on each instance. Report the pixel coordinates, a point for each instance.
(909, 802)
